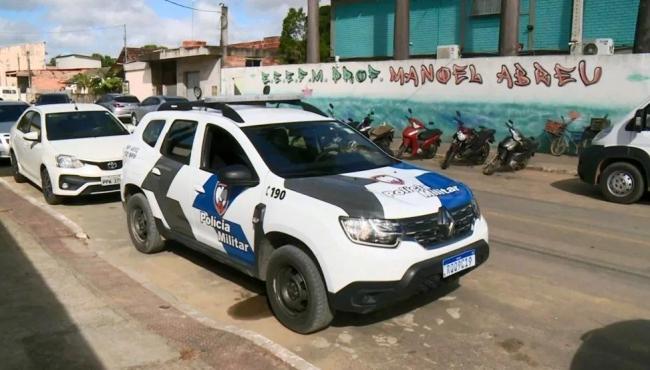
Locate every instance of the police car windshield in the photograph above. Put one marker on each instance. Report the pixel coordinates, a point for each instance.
(82, 124)
(304, 149)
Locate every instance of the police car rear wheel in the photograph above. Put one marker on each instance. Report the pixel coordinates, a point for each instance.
(296, 291)
(142, 227)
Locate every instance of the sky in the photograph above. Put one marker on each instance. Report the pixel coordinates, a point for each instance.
(147, 22)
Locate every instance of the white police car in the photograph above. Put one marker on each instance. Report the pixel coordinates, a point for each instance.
(301, 201)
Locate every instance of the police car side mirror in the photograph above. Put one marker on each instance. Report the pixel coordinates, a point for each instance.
(237, 175)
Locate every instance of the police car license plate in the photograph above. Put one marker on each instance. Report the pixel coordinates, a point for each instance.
(458, 263)
(111, 180)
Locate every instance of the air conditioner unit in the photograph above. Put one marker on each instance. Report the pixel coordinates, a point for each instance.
(594, 47)
(448, 52)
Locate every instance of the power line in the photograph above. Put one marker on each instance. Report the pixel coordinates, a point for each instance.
(192, 8)
(78, 30)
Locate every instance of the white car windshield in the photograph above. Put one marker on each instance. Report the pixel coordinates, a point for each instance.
(82, 124)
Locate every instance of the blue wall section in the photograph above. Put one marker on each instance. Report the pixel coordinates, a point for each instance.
(364, 28)
(614, 19)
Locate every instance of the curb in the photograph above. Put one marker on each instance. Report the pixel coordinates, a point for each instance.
(552, 170)
(283, 354)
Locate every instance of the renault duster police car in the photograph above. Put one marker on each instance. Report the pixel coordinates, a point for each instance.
(303, 202)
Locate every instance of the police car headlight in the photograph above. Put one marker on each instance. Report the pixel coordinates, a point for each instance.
(475, 207)
(68, 161)
(373, 232)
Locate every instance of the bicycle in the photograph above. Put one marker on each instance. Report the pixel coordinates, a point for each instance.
(561, 138)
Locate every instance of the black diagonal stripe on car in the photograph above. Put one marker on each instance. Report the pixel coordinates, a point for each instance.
(346, 192)
(159, 185)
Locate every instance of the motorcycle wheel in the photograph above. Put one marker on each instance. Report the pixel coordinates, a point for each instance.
(559, 146)
(485, 153)
(431, 153)
(400, 151)
(447, 161)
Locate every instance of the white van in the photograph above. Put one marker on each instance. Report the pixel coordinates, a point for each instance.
(9, 93)
(619, 159)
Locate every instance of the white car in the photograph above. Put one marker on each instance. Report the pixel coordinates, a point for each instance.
(68, 150)
(305, 203)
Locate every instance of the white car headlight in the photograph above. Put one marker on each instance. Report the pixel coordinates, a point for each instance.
(373, 232)
(68, 161)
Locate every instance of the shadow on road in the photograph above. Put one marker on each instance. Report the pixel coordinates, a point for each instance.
(37, 333)
(5, 167)
(578, 187)
(343, 319)
(623, 345)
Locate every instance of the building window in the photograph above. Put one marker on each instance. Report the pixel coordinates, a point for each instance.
(486, 7)
(253, 62)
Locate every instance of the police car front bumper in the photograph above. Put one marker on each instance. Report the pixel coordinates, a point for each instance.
(368, 296)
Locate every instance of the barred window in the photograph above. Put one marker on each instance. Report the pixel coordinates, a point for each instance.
(486, 7)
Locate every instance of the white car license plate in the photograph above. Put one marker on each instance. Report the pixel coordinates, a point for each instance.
(111, 180)
(458, 263)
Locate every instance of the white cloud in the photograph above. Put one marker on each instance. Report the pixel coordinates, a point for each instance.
(144, 25)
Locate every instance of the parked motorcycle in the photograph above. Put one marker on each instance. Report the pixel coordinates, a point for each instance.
(381, 135)
(514, 151)
(419, 140)
(469, 145)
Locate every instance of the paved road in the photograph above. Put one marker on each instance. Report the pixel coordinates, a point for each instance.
(566, 286)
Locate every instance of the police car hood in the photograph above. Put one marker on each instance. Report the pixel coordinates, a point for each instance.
(93, 149)
(5, 126)
(398, 191)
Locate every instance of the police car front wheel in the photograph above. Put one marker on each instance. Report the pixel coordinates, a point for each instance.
(296, 291)
(142, 226)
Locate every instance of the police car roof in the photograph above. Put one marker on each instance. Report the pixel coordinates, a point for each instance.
(61, 108)
(251, 115)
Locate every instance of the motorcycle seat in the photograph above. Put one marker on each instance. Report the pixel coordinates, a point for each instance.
(428, 134)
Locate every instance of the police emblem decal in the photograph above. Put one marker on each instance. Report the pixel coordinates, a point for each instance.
(221, 198)
(388, 179)
(446, 222)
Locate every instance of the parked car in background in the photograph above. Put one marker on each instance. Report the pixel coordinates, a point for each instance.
(9, 93)
(52, 98)
(10, 111)
(68, 150)
(121, 105)
(151, 104)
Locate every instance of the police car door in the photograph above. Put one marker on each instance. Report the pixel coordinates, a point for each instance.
(223, 214)
(169, 177)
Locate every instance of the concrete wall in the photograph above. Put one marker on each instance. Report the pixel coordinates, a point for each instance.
(138, 74)
(14, 58)
(209, 73)
(364, 28)
(73, 61)
(487, 91)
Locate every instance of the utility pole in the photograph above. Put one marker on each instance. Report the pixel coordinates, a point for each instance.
(313, 37)
(401, 38)
(642, 37)
(29, 72)
(125, 50)
(223, 42)
(509, 30)
(192, 19)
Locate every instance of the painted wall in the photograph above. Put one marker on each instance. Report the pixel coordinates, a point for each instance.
(364, 28)
(14, 58)
(138, 75)
(487, 91)
(73, 61)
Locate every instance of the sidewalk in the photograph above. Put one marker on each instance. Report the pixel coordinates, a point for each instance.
(540, 162)
(65, 307)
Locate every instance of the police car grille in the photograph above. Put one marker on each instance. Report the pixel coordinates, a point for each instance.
(107, 166)
(426, 231)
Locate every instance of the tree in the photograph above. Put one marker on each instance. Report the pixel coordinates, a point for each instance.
(293, 44)
(293, 40)
(154, 47)
(107, 60)
(97, 84)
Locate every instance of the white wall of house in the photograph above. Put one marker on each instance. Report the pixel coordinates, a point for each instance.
(74, 61)
(14, 58)
(138, 74)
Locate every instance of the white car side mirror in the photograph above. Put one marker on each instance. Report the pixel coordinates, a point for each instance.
(130, 128)
(32, 136)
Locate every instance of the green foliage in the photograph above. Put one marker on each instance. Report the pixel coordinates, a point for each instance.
(154, 47)
(107, 60)
(293, 45)
(293, 40)
(100, 84)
